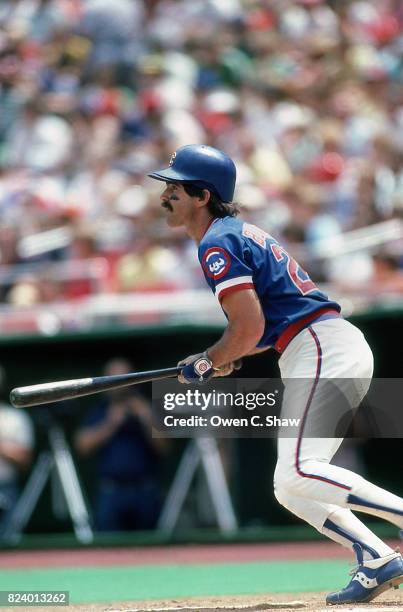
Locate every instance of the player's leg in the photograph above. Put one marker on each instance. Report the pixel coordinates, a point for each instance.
(338, 524)
(331, 355)
(303, 469)
(313, 489)
(379, 567)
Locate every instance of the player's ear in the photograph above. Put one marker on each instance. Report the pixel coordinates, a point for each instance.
(204, 198)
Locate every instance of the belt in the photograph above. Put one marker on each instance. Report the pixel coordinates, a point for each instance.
(292, 330)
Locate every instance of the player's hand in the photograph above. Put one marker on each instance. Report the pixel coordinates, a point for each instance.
(228, 368)
(189, 359)
(197, 369)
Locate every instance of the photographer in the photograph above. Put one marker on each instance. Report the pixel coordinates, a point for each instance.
(118, 430)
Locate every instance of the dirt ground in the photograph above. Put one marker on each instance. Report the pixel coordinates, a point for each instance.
(390, 601)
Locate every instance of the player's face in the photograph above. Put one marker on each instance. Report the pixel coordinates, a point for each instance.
(178, 205)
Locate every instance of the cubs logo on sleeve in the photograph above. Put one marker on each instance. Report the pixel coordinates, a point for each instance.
(225, 272)
(216, 262)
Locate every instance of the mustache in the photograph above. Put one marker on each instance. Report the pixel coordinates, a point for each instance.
(166, 204)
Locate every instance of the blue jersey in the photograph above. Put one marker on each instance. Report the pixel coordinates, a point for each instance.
(236, 255)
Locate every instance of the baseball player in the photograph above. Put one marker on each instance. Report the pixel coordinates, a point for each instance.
(270, 302)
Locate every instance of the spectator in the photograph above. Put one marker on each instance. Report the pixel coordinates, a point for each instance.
(16, 447)
(384, 282)
(387, 276)
(118, 432)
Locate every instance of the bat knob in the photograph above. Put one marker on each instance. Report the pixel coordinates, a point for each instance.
(16, 399)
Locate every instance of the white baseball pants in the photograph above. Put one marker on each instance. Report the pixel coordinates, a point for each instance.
(305, 482)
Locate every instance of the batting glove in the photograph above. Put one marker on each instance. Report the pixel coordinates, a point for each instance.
(195, 363)
(198, 371)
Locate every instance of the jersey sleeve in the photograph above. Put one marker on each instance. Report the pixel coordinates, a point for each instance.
(225, 265)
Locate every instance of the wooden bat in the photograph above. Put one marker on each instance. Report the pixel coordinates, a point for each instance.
(46, 393)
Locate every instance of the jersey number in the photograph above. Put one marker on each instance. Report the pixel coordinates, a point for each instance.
(304, 285)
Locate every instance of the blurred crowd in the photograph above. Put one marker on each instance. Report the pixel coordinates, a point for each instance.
(305, 95)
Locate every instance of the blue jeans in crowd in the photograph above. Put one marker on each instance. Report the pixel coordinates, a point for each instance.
(127, 506)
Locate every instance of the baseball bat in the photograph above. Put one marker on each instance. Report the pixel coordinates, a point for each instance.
(46, 393)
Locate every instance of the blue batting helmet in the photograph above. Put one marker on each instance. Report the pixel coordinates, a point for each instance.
(202, 166)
